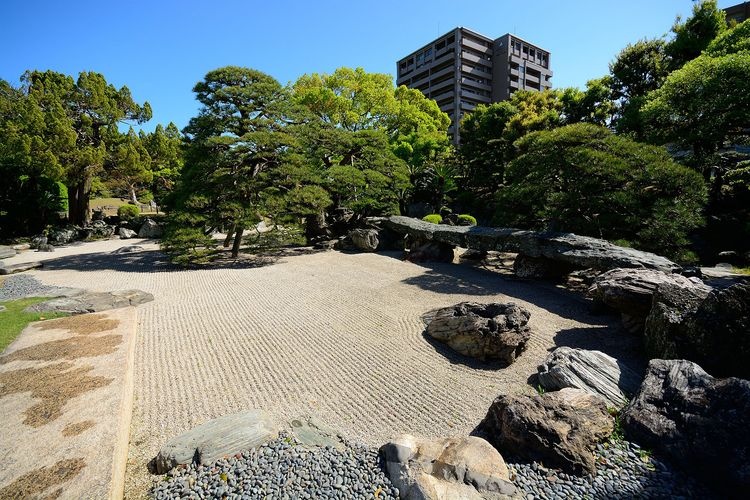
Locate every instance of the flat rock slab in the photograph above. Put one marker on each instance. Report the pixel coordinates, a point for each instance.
(66, 389)
(20, 267)
(217, 438)
(312, 432)
(7, 252)
(93, 302)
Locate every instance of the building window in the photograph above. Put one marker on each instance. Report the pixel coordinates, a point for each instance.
(420, 59)
(428, 55)
(440, 45)
(451, 39)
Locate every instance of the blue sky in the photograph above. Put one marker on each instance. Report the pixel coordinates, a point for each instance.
(160, 49)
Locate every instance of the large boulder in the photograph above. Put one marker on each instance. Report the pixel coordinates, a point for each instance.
(711, 329)
(365, 240)
(150, 229)
(631, 291)
(446, 469)
(482, 331)
(38, 240)
(423, 250)
(525, 266)
(223, 436)
(701, 422)
(560, 429)
(592, 371)
(126, 233)
(6, 252)
(63, 236)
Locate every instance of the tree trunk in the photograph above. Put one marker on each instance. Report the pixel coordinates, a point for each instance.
(230, 234)
(133, 197)
(237, 241)
(78, 204)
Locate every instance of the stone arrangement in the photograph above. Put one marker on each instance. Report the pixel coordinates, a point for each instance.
(482, 331)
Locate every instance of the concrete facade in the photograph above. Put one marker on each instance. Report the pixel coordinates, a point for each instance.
(463, 69)
(739, 12)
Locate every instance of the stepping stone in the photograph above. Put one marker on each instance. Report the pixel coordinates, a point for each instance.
(93, 302)
(6, 252)
(19, 268)
(311, 432)
(217, 438)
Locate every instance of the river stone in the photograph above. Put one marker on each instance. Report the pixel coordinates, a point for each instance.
(711, 329)
(592, 371)
(447, 469)
(6, 252)
(701, 422)
(580, 252)
(129, 249)
(93, 302)
(217, 438)
(126, 233)
(150, 229)
(560, 429)
(482, 331)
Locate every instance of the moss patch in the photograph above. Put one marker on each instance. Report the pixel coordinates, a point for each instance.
(14, 319)
(77, 428)
(36, 482)
(53, 384)
(82, 324)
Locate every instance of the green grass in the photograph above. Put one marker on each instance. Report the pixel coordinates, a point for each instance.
(741, 270)
(13, 320)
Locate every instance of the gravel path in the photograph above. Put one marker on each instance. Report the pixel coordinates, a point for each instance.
(329, 334)
(22, 285)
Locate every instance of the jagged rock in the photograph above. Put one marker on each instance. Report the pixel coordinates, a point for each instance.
(447, 469)
(365, 240)
(579, 252)
(421, 250)
(591, 371)
(631, 291)
(6, 252)
(45, 247)
(223, 436)
(473, 255)
(711, 329)
(560, 429)
(701, 422)
(93, 302)
(525, 266)
(63, 236)
(126, 233)
(36, 241)
(150, 229)
(482, 331)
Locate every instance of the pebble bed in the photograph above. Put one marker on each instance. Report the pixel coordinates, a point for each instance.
(20, 286)
(284, 469)
(623, 471)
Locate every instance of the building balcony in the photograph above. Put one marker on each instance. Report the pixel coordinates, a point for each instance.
(474, 71)
(445, 71)
(475, 46)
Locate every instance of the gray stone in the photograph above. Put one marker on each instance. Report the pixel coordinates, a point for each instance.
(525, 266)
(483, 331)
(2, 309)
(560, 429)
(88, 302)
(591, 371)
(36, 241)
(701, 422)
(150, 229)
(711, 329)
(217, 438)
(578, 251)
(20, 247)
(365, 240)
(19, 268)
(63, 236)
(312, 432)
(45, 247)
(129, 249)
(447, 468)
(631, 291)
(6, 252)
(126, 233)
(424, 250)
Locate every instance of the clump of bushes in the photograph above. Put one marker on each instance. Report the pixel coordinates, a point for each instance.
(466, 220)
(128, 212)
(433, 218)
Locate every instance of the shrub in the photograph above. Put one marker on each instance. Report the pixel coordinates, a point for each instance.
(433, 218)
(128, 212)
(466, 220)
(583, 179)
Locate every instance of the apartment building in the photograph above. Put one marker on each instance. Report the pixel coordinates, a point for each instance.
(463, 69)
(739, 12)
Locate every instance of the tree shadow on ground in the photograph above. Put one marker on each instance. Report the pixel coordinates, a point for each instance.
(154, 261)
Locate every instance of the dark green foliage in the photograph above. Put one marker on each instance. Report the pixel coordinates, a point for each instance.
(583, 179)
(731, 41)
(128, 212)
(695, 34)
(433, 218)
(467, 220)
